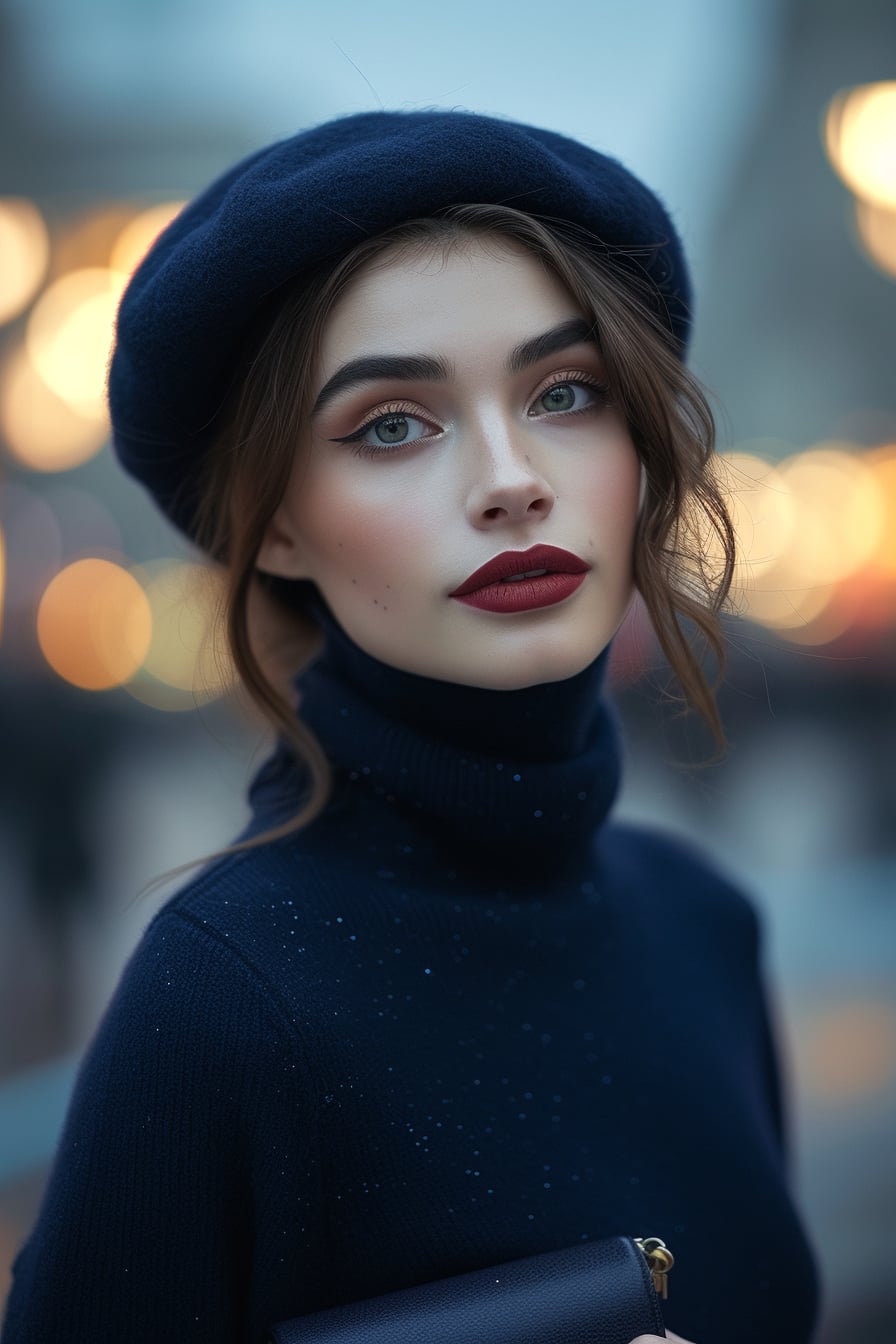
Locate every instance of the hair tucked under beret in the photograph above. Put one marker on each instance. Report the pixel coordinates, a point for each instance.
(307, 200)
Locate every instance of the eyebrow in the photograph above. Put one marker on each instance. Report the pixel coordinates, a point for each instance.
(429, 368)
(574, 332)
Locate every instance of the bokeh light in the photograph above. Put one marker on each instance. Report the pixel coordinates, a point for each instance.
(33, 544)
(2, 579)
(40, 430)
(88, 239)
(838, 513)
(24, 254)
(188, 662)
(140, 233)
(812, 532)
(762, 510)
(776, 603)
(87, 527)
(830, 621)
(94, 624)
(850, 1052)
(867, 601)
(881, 462)
(876, 228)
(860, 138)
(69, 335)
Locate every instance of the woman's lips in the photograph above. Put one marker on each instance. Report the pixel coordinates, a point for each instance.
(524, 594)
(495, 587)
(503, 566)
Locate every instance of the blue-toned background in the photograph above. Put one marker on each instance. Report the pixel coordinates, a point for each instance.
(769, 128)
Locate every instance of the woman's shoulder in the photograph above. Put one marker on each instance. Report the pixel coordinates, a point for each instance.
(213, 933)
(677, 874)
(231, 891)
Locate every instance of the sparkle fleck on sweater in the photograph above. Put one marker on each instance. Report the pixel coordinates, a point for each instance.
(461, 1018)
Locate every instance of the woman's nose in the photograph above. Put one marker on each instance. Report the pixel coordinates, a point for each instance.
(505, 482)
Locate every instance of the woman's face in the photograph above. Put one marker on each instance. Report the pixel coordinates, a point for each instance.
(460, 415)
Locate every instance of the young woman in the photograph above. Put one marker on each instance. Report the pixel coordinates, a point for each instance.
(416, 382)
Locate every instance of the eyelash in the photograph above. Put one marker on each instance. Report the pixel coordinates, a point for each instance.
(407, 408)
(381, 450)
(577, 380)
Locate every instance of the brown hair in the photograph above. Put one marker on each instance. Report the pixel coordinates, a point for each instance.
(684, 542)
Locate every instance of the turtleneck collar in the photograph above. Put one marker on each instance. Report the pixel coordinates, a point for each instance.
(519, 772)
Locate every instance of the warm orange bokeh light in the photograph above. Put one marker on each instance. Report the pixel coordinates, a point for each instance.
(24, 254)
(41, 431)
(839, 513)
(860, 138)
(188, 662)
(784, 608)
(851, 1050)
(868, 600)
(140, 233)
(86, 239)
(2, 578)
(819, 523)
(876, 228)
(881, 462)
(70, 332)
(831, 621)
(761, 507)
(94, 624)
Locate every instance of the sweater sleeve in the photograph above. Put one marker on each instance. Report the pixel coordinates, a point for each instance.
(770, 1042)
(745, 933)
(707, 899)
(147, 1230)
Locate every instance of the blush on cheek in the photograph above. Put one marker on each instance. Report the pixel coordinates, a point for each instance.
(374, 553)
(614, 499)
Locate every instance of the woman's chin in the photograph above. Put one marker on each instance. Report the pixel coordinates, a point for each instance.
(503, 673)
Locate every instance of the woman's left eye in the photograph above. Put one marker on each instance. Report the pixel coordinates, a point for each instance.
(571, 395)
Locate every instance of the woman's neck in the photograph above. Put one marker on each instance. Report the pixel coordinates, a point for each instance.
(521, 774)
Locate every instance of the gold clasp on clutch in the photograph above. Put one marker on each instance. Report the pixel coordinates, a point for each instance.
(659, 1260)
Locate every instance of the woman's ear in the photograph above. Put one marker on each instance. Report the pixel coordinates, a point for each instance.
(281, 552)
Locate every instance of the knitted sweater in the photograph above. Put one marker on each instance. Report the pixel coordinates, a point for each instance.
(460, 1019)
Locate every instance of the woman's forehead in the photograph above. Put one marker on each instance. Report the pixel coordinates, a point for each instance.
(433, 299)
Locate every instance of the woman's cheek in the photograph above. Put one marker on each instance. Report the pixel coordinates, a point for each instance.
(378, 550)
(613, 499)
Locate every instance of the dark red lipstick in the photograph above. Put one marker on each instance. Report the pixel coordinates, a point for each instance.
(495, 586)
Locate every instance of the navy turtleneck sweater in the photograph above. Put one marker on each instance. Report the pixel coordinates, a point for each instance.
(460, 1019)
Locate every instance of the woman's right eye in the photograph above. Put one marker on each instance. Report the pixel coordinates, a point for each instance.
(398, 429)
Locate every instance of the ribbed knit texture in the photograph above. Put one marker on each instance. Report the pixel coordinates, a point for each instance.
(460, 1019)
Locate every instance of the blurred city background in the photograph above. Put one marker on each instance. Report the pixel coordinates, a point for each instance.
(769, 128)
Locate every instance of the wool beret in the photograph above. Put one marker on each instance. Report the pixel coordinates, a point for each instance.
(307, 200)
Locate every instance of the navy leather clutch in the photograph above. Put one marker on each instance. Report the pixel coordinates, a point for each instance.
(598, 1292)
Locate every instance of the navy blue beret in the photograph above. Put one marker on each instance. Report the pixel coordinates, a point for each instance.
(300, 202)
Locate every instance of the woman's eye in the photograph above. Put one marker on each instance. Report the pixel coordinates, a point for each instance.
(571, 396)
(395, 430)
